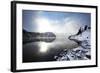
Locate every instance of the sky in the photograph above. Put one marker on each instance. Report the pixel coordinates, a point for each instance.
(32, 18)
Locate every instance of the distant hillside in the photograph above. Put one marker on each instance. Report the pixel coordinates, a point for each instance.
(36, 37)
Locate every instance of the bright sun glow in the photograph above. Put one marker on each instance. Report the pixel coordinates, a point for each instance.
(43, 25)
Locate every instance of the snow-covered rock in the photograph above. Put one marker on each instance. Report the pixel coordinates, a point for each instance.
(83, 51)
